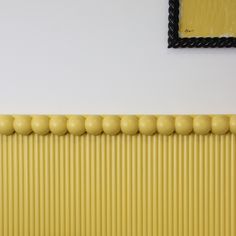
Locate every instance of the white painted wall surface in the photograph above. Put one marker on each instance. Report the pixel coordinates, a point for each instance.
(105, 56)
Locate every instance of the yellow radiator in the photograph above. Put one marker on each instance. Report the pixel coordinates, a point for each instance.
(138, 181)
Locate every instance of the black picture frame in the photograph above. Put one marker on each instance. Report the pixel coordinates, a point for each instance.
(174, 41)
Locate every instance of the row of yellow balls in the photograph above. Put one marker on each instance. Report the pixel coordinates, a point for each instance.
(113, 125)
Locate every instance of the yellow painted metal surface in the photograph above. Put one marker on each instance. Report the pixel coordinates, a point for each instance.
(207, 18)
(122, 185)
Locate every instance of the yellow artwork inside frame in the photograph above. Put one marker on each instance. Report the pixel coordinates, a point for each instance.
(207, 18)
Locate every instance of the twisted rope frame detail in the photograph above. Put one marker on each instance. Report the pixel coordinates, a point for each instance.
(174, 41)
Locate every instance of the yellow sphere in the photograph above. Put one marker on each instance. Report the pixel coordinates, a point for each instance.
(6, 125)
(202, 124)
(93, 125)
(58, 125)
(147, 125)
(183, 125)
(40, 124)
(22, 125)
(220, 124)
(129, 125)
(111, 125)
(166, 125)
(76, 125)
(233, 124)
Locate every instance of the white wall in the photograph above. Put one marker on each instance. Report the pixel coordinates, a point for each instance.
(105, 56)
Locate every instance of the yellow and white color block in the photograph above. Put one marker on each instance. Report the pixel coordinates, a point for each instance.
(118, 175)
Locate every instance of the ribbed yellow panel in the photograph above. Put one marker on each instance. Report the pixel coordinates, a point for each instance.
(118, 185)
(207, 18)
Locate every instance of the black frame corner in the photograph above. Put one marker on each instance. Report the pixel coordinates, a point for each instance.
(174, 41)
